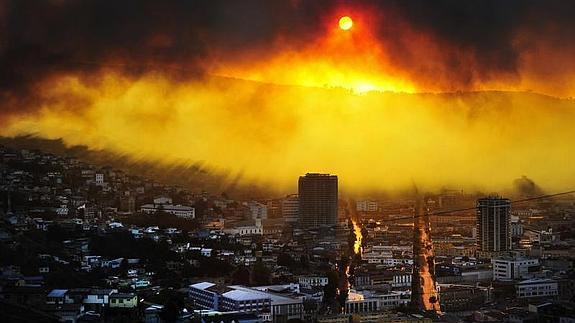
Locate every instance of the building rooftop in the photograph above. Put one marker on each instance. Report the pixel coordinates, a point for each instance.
(57, 293)
(259, 294)
(203, 285)
(123, 295)
(244, 295)
(536, 281)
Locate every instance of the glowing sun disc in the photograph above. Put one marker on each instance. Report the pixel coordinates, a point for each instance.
(345, 23)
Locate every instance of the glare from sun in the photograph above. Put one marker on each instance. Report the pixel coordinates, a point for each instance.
(345, 23)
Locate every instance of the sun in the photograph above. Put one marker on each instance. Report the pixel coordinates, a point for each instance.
(345, 23)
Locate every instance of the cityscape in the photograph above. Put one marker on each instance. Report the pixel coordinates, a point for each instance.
(287, 161)
(82, 242)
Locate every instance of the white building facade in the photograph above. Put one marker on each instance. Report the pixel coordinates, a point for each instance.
(537, 288)
(506, 268)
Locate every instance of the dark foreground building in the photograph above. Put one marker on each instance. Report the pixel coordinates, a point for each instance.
(493, 225)
(317, 200)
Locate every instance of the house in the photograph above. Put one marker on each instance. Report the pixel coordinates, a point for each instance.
(93, 299)
(123, 300)
(90, 262)
(56, 296)
(140, 283)
(98, 298)
(113, 264)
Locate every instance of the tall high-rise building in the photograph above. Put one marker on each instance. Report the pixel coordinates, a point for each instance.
(317, 200)
(493, 225)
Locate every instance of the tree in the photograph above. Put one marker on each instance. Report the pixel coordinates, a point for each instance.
(260, 274)
(173, 304)
(286, 260)
(214, 267)
(304, 261)
(171, 311)
(330, 290)
(241, 276)
(200, 206)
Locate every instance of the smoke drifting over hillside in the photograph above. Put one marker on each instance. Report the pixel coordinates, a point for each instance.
(275, 133)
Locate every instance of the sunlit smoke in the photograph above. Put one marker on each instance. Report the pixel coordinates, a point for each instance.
(271, 134)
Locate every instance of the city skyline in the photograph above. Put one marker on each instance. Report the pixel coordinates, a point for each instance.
(271, 259)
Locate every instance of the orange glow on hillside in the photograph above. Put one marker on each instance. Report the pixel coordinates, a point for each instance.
(272, 134)
(381, 52)
(351, 60)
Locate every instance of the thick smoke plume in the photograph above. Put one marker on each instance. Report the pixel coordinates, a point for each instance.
(143, 78)
(439, 45)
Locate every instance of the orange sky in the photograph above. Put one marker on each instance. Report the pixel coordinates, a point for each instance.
(408, 60)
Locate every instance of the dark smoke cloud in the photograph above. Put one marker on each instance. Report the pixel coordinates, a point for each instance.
(486, 28)
(41, 38)
(64, 33)
(525, 186)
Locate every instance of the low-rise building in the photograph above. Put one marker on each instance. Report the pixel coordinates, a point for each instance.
(308, 282)
(258, 210)
(356, 303)
(276, 302)
(123, 300)
(181, 211)
(204, 295)
(290, 209)
(454, 298)
(510, 268)
(244, 301)
(537, 287)
(98, 297)
(366, 206)
(56, 296)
